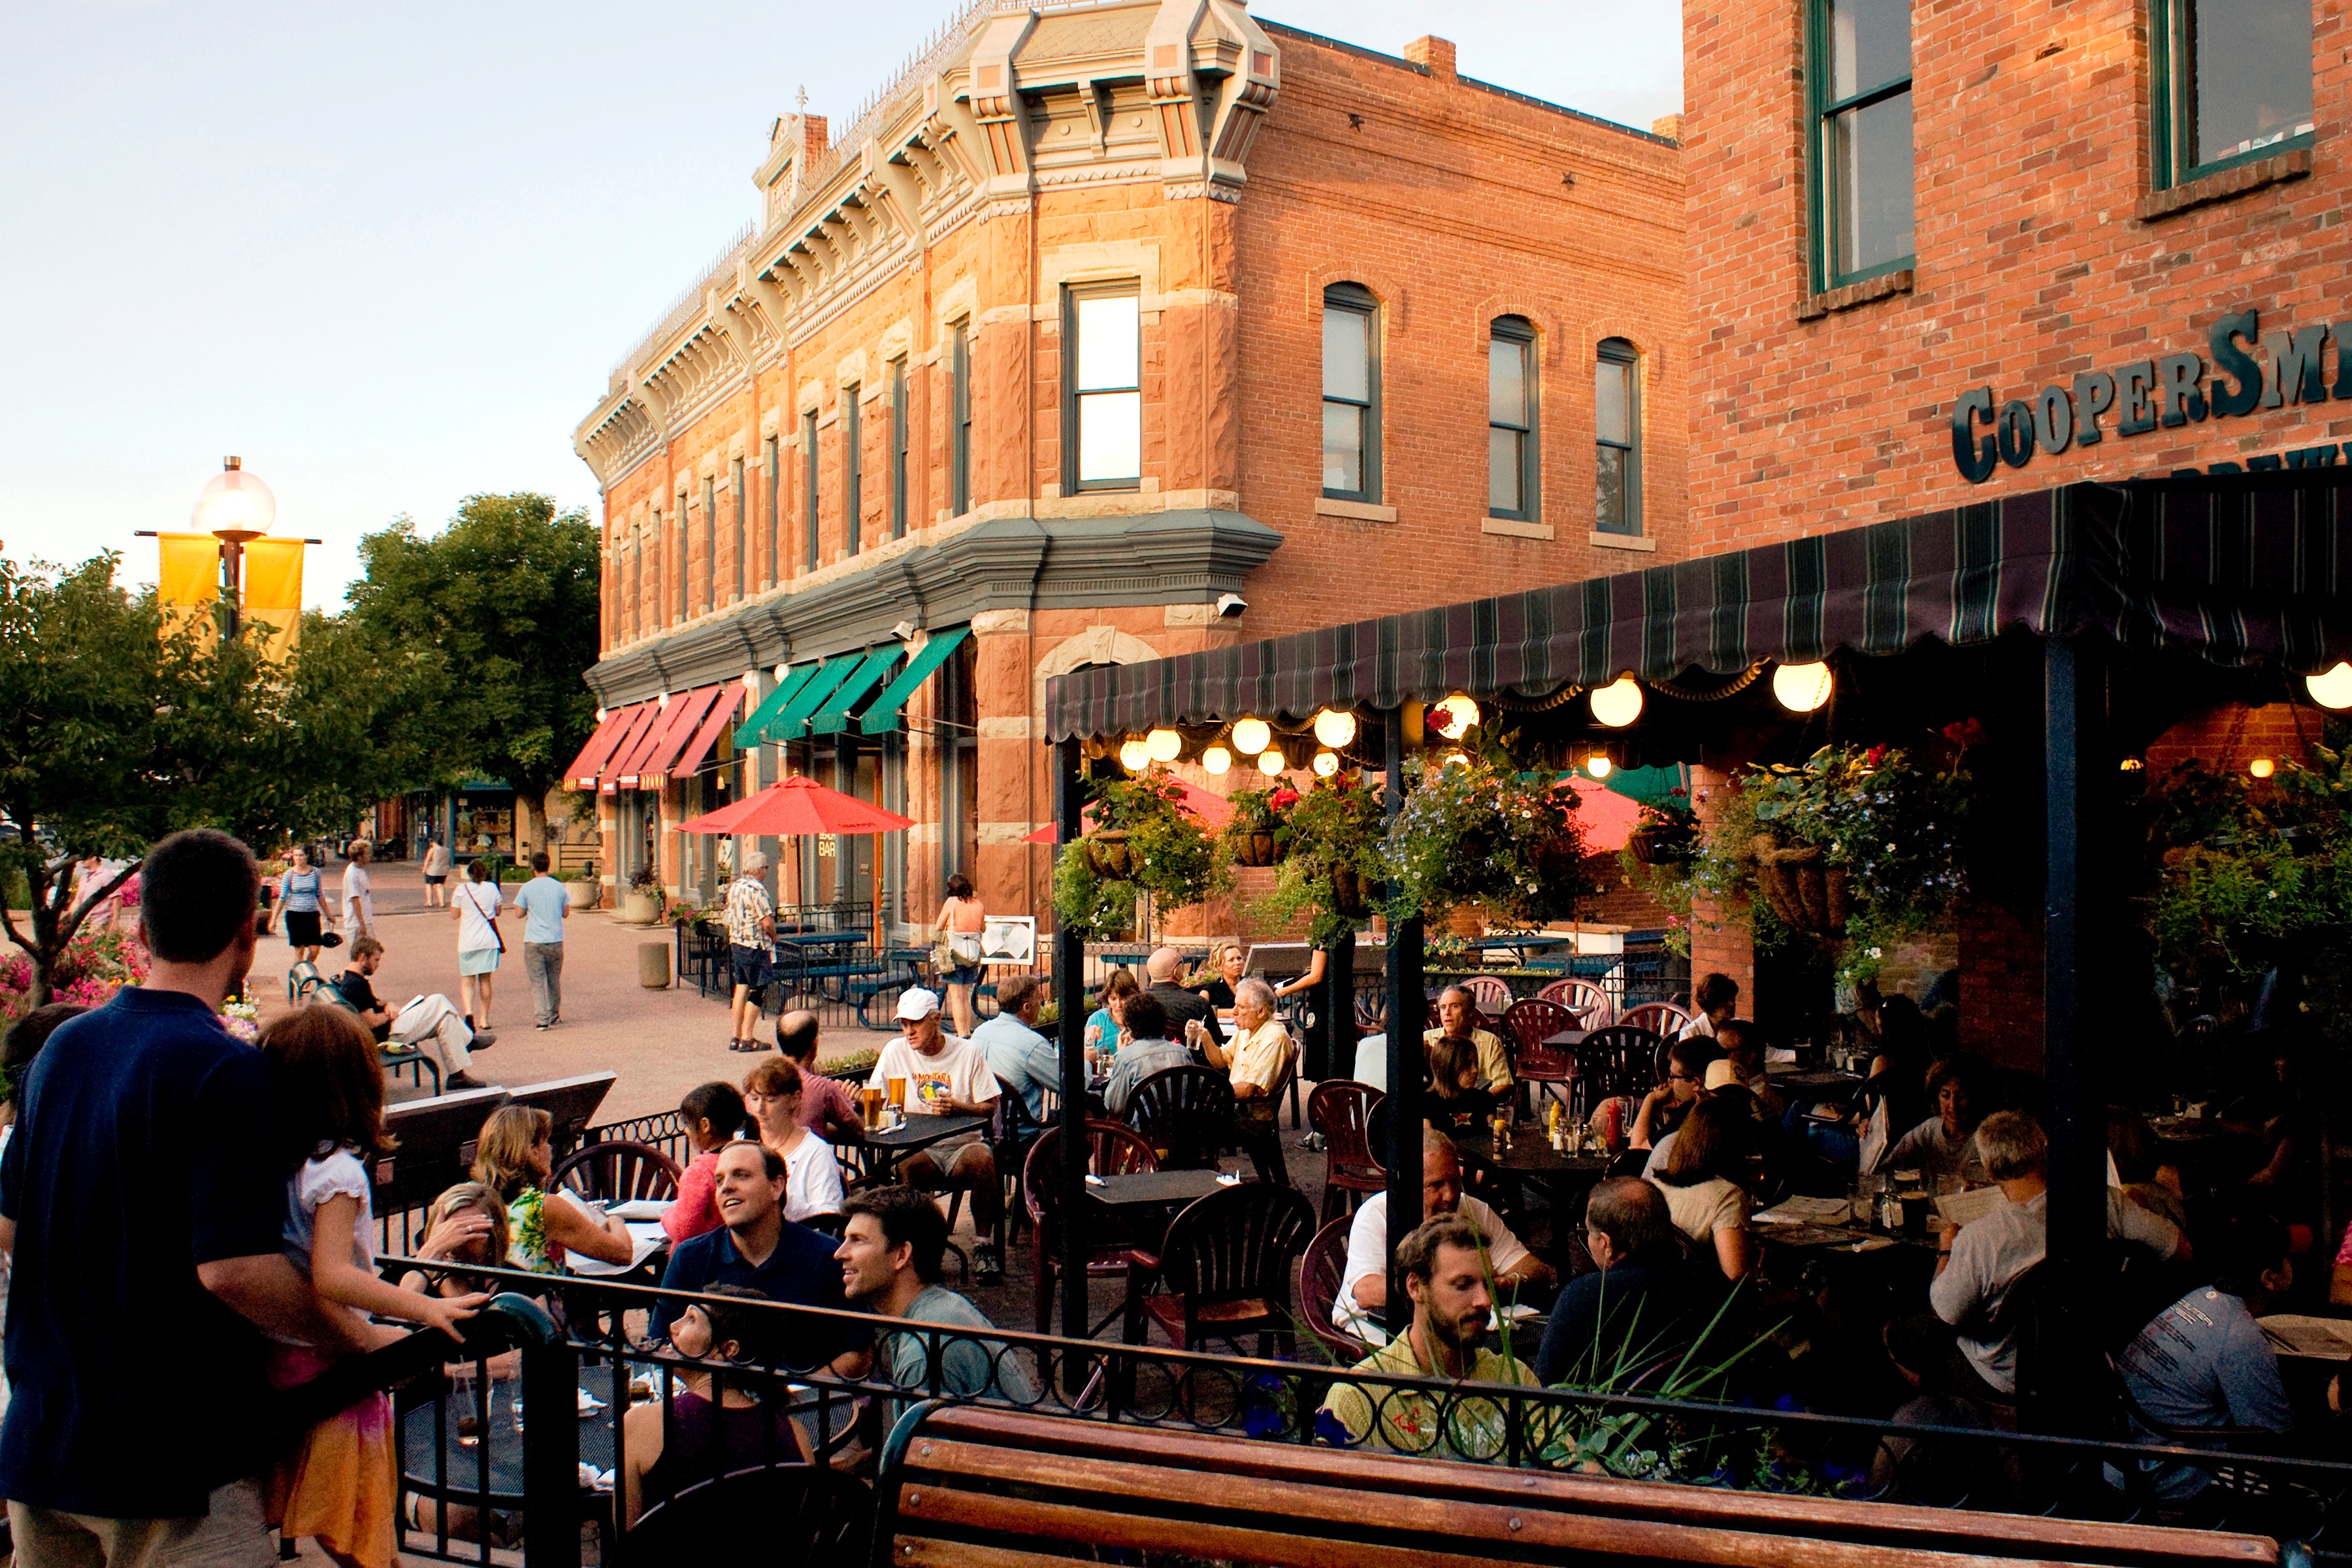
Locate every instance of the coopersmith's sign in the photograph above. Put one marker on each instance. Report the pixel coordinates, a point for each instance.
(2169, 392)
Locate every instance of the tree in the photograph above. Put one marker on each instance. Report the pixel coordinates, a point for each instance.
(506, 599)
(120, 735)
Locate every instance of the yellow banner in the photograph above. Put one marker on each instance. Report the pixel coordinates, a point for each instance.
(273, 590)
(188, 581)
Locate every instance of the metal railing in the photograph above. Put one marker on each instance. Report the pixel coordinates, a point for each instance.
(597, 1344)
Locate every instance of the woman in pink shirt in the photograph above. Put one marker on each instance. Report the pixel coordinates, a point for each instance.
(713, 1113)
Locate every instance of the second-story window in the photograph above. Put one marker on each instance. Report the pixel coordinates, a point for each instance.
(1511, 419)
(638, 581)
(1351, 393)
(960, 418)
(741, 532)
(1617, 438)
(1860, 83)
(709, 543)
(775, 483)
(683, 609)
(2233, 83)
(898, 449)
(1102, 414)
(808, 481)
(852, 467)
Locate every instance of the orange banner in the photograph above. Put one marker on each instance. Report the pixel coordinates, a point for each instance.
(273, 592)
(187, 581)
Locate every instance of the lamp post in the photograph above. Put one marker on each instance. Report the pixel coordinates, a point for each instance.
(235, 508)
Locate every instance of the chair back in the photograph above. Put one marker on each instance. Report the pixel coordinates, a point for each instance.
(1186, 1114)
(1526, 1027)
(1319, 1274)
(617, 1171)
(1587, 1001)
(1657, 1018)
(1341, 1110)
(1619, 1059)
(1237, 1243)
(437, 1138)
(1113, 1149)
(787, 1513)
(570, 1101)
(1493, 995)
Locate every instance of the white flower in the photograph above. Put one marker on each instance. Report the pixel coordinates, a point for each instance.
(1874, 953)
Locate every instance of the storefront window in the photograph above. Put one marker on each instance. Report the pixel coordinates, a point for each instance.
(1861, 78)
(955, 741)
(1617, 444)
(1351, 393)
(1511, 419)
(1102, 424)
(2236, 79)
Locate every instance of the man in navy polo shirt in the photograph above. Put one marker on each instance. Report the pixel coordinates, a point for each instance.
(756, 1245)
(141, 1203)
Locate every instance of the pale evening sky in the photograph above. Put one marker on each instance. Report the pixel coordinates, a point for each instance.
(389, 254)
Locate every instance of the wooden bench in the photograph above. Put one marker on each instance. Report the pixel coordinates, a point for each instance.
(435, 1149)
(979, 1487)
(575, 857)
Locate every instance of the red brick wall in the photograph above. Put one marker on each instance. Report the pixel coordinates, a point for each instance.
(2229, 737)
(2031, 138)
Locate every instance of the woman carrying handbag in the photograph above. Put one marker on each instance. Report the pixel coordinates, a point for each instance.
(479, 946)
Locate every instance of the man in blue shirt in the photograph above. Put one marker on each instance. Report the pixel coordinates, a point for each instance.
(1023, 1060)
(757, 1247)
(142, 1201)
(542, 902)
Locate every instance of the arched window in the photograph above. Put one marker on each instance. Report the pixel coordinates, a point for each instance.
(1511, 419)
(1617, 438)
(1351, 393)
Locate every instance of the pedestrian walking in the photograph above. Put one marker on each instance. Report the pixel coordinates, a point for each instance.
(479, 945)
(542, 901)
(962, 918)
(438, 862)
(751, 948)
(301, 901)
(358, 901)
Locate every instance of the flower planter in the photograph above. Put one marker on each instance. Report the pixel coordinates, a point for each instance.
(1661, 844)
(580, 895)
(1108, 853)
(1253, 848)
(640, 907)
(1348, 895)
(1805, 892)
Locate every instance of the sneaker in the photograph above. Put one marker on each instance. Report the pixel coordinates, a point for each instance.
(540, 1027)
(986, 1266)
(463, 1080)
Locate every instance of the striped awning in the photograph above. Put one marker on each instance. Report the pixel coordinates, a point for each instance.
(2238, 571)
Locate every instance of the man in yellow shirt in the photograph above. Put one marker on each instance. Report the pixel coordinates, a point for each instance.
(1456, 1013)
(1445, 1273)
(1257, 1060)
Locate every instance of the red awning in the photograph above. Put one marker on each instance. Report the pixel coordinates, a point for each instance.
(581, 774)
(685, 714)
(639, 759)
(722, 713)
(632, 744)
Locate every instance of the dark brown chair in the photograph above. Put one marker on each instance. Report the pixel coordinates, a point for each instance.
(1225, 1270)
(1619, 1059)
(1319, 1274)
(1657, 1018)
(1526, 1029)
(617, 1171)
(1113, 1149)
(1587, 1001)
(1187, 1115)
(1341, 1111)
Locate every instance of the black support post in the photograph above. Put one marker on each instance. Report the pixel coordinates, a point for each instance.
(1406, 1009)
(1070, 995)
(2075, 888)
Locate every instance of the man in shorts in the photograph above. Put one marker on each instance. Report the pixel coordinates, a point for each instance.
(751, 948)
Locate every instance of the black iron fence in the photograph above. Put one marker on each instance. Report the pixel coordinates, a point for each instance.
(597, 1385)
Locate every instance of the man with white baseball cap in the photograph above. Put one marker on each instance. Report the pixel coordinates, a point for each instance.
(946, 1075)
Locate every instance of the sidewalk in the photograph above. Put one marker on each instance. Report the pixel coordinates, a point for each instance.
(662, 1043)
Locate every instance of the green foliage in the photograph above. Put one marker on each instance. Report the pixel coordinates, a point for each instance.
(1482, 833)
(1169, 856)
(491, 623)
(1334, 830)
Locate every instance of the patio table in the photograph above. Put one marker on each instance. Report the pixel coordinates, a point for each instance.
(458, 1474)
(880, 1152)
(1145, 1188)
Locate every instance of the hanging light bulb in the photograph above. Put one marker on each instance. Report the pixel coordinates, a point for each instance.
(1215, 760)
(1165, 745)
(2331, 688)
(1134, 755)
(2262, 767)
(1335, 727)
(1598, 765)
(1326, 763)
(1802, 688)
(1619, 703)
(1270, 762)
(1454, 717)
(2131, 764)
(1251, 736)
(1456, 760)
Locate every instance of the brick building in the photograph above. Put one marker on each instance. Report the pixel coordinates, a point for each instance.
(1098, 317)
(1944, 253)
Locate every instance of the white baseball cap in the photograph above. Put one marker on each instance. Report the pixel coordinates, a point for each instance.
(916, 1001)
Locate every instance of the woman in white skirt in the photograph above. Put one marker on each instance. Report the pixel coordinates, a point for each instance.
(479, 945)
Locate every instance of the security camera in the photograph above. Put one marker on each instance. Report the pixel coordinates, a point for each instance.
(1230, 605)
(903, 630)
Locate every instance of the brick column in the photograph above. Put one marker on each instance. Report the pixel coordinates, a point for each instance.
(1009, 804)
(1730, 951)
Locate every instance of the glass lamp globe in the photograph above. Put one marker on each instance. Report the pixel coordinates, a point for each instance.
(1215, 760)
(1335, 727)
(1803, 687)
(1456, 760)
(2331, 688)
(1269, 763)
(2262, 767)
(1164, 745)
(1454, 716)
(1598, 765)
(1134, 755)
(1619, 703)
(233, 501)
(1252, 736)
(1326, 763)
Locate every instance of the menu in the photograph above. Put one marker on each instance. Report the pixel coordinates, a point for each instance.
(2325, 1339)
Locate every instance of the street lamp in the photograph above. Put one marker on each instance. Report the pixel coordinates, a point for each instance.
(235, 508)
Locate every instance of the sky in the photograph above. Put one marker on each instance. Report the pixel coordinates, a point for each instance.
(388, 255)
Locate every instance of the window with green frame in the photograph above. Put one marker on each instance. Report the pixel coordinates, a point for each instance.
(2233, 83)
(1860, 146)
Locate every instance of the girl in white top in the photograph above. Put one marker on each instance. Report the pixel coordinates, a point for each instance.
(771, 1093)
(1706, 1203)
(338, 1485)
(476, 905)
(359, 899)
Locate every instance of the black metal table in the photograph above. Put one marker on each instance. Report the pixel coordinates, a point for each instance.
(458, 1475)
(1140, 1188)
(1565, 1178)
(880, 1150)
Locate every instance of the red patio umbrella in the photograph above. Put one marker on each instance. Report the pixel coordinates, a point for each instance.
(1208, 805)
(1608, 817)
(796, 806)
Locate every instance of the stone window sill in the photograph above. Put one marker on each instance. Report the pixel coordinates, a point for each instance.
(1881, 287)
(1362, 511)
(2229, 182)
(1514, 528)
(1621, 541)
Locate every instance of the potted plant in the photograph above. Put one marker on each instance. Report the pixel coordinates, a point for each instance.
(1481, 832)
(1329, 841)
(1253, 835)
(1147, 843)
(1666, 834)
(641, 906)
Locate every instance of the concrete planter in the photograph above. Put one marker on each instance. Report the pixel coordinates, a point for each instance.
(580, 895)
(640, 908)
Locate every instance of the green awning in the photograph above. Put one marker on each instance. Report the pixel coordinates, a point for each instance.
(786, 725)
(1650, 786)
(748, 733)
(882, 713)
(834, 717)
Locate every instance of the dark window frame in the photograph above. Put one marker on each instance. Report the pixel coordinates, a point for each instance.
(810, 493)
(775, 483)
(898, 368)
(743, 534)
(1822, 112)
(1618, 351)
(685, 604)
(1356, 299)
(1071, 396)
(709, 543)
(1520, 330)
(2170, 80)
(853, 467)
(958, 418)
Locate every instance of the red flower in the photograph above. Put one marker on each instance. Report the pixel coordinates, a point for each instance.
(1284, 799)
(1965, 733)
(1875, 755)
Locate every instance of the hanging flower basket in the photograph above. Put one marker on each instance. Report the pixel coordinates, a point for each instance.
(1348, 895)
(1108, 853)
(1804, 889)
(1255, 848)
(1661, 843)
